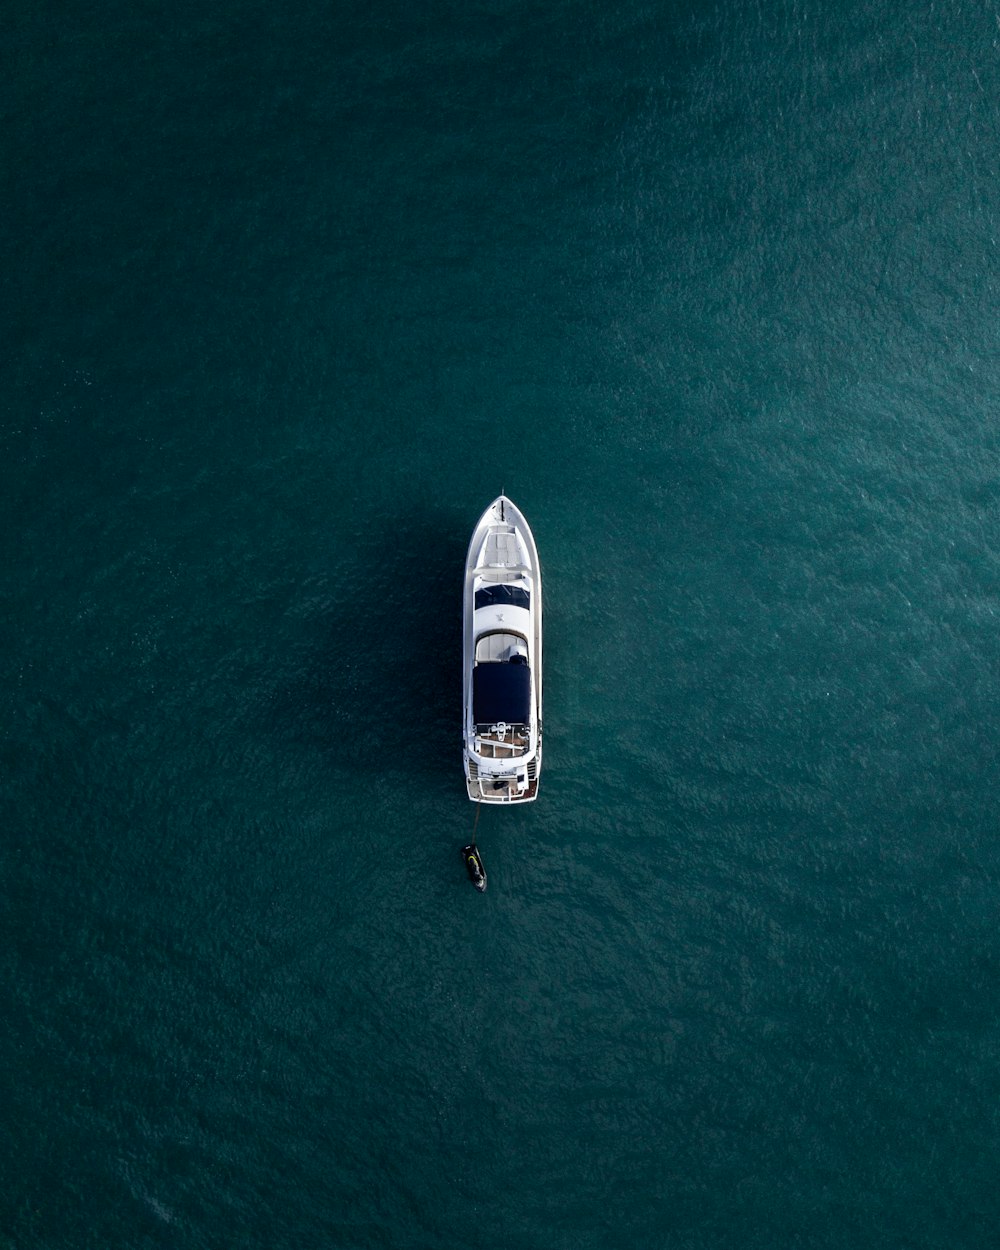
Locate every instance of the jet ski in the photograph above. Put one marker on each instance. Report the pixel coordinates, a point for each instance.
(474, 866)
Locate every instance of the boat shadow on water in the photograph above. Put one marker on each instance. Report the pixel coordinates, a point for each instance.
(374, 674)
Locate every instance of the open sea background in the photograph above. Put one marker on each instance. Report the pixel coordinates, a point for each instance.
(289, 294)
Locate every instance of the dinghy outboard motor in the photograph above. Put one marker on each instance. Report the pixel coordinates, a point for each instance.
(474, 866)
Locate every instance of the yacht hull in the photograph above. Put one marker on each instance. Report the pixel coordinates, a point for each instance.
(502, 654)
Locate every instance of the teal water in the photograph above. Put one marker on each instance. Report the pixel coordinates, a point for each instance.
(289, 296)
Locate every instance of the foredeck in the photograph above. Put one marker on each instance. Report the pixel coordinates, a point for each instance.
(502, 558)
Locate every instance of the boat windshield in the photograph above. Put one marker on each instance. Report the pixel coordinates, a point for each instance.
(501, 595)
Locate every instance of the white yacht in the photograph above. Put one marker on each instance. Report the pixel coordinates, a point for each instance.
(503, 659)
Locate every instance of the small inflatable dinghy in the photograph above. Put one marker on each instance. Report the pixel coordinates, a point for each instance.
(474, 866)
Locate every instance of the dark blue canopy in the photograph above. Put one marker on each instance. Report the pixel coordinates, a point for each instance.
(501, 692)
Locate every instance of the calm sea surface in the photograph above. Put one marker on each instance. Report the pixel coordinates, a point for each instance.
(289, 294)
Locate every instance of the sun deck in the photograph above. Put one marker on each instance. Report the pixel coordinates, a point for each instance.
(502, 558)
(502, 742)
